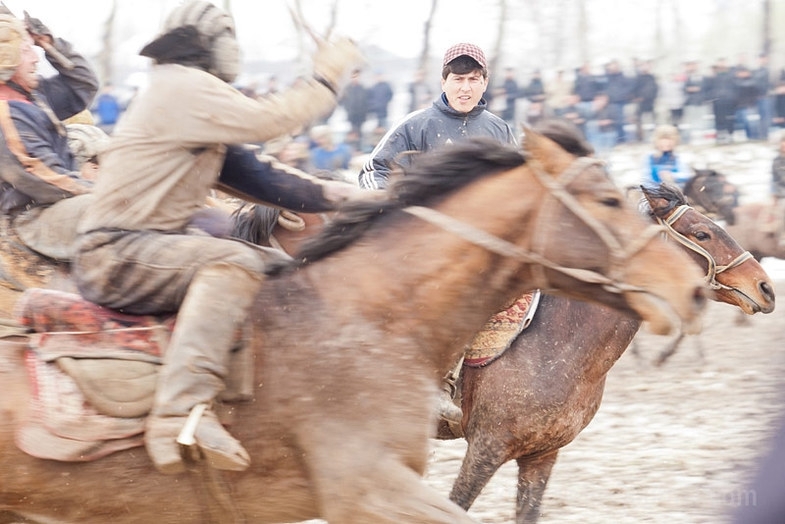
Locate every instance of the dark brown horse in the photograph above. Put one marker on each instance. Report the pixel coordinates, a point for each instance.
(758, 226)
(350, 343)
(539, 395)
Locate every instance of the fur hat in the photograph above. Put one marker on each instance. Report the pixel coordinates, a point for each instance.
(197, 33)
(12, 36)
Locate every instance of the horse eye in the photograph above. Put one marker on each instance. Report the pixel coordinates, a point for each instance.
(702, 236)
(611, 201)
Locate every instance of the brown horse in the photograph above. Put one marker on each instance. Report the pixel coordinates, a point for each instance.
(351, 342)
(540, 394)
(758, 226)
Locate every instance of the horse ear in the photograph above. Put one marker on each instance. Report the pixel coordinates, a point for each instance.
(657, 204)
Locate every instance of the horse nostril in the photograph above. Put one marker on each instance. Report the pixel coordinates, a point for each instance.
(766, 290)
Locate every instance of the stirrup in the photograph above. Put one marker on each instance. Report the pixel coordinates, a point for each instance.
(219, 456)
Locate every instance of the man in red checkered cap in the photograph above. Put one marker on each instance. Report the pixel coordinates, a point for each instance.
(458, 113)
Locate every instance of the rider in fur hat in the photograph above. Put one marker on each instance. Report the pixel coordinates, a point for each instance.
(170, 149)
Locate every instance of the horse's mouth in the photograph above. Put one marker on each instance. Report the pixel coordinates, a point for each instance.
(749, 305)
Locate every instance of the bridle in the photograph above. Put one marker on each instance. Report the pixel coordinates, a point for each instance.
(557, 193)
(713, 269)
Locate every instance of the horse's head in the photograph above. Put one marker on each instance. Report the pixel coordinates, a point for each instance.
(736, 277)
(585, 222)
(710, 191)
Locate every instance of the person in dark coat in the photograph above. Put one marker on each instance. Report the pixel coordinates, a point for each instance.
(355, 103)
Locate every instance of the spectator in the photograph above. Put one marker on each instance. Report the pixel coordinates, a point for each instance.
(510, 92)
(534, 92)
(779, 101)
(585, 87)
(355, 103)
(574, 112)
(326, 154)
(618, 89)
(459, 112)
(695, 97)
(746, 100)
(558, 94)
(762, 81)
(664, 165)
(420, 93)
(380, 94)
(645, 92)
(107, 108)
(601, 129)
(673, 99)
(722, 92)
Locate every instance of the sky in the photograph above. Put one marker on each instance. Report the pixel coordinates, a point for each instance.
(264, 27)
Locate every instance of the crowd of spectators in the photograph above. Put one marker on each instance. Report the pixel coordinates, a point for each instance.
(613, 106)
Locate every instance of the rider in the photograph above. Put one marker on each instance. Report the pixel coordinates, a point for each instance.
(458, 113)
(38, 172)
(134, 251)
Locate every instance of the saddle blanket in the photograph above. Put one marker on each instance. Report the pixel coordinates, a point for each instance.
(501, 330)
(93, 373)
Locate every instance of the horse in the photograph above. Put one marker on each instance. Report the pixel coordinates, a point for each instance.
(350, 341)
(546, 388)
(750, 223)
(712, 194)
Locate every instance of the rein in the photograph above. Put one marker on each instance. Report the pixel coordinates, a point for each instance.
(556, 189)
(713, 269)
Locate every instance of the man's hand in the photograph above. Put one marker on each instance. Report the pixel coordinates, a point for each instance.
(333, 59)
(40, 34)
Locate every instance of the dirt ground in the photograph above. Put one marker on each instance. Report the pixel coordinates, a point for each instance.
(672, 444)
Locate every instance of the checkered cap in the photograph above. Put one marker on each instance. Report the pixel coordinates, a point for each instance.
(469, 50)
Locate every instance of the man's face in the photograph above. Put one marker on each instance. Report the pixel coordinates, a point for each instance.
(464, 91)
(26, 74)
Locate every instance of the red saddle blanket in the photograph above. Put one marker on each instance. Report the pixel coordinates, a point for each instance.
(84, 329)
(93, 373)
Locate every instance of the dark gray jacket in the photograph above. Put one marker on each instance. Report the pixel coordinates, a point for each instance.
(428, 129)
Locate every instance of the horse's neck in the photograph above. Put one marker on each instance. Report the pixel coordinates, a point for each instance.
(419, 274)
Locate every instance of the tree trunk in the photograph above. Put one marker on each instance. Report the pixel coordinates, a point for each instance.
(426, 40)
(583, 32)
(105, 57)
(497, 49)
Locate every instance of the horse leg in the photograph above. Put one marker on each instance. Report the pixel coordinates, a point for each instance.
(533, 475)
(480, 463)
(359, 482)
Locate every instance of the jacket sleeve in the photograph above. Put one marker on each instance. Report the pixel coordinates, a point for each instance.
(71, 90)
(262, 179)
(30, 164)
(386, 156)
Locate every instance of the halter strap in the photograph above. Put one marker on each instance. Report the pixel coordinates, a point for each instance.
(555, 188)
(713, 269)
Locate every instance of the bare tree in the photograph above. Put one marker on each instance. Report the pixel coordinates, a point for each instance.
(767, 19)
(583, 32)
(422, 63)
(105, 57)
(497, 48)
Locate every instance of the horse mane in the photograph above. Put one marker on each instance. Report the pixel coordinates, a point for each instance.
(254, 223)
(430, 176)
(566, 135)
(668, 192)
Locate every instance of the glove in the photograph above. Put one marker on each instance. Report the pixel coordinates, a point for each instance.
(37, 29)
(334, 59)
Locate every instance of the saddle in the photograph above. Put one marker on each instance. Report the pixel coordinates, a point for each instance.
(93, 373)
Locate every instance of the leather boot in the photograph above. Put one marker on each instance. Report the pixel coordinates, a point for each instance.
(195, 365)
(447, 409)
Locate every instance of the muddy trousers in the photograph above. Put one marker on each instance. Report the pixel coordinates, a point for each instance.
(195, 367)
